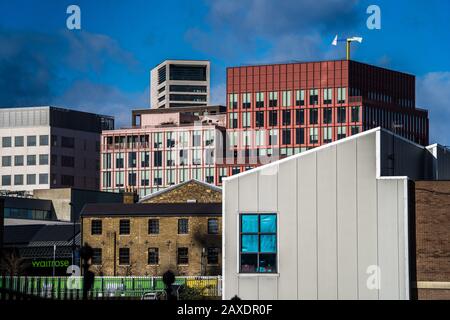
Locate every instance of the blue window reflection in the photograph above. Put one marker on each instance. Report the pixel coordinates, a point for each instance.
(268, 243)
(268, 223)
(249, 243)
(249, 223)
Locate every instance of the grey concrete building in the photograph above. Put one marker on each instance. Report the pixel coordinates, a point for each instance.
(333, 222)
(48, 147)
(180, 83)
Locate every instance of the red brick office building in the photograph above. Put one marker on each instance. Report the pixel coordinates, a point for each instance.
(290, 108)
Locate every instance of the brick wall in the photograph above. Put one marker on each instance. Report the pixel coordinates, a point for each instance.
(433, 238)
(168, 240)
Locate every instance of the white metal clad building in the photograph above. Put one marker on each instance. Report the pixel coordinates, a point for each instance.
(329, 223)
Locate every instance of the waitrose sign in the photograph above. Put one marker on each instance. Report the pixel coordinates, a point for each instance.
(60, 263)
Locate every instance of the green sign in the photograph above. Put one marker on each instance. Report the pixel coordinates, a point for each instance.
(59, 263)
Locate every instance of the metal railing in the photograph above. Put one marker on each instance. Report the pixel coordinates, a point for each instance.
(71, 288)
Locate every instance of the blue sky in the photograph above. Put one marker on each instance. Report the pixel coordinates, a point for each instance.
(104, 67)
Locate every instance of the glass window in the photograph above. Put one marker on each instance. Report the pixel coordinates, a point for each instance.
(43, 140)
(246, 100)
(107, 180)
(355, 130)
(182, 256)
(153, 256)
(286, 136)
(43, 159)
(18, 179)
(124, 256)
(342, 94)
(183, 226)
(286, 121)
(300, 97)
(341, 132)
(157, 158)
(157, 143)
(213, 255)
(18, 160)
(260, 99)
(31, 141)
(232, 101)
(132, 160)
(258, 243)
(6, 180)
(327, 96)
(313, 116)
(96, 227)
(313, 135)
(120, 178)
(124, 226)
(153, 226)
(145, 159)
(313, 96)
(120, 160)
(213, 226)
(327, 115)
(259, 117)
(6, 142)
(96, 256)
(196, 138)
(273, 99)
(327, 135)
(31, 179)
(341, 116)
(355, 114)
(6, 161)
(273, 118)
(246, 119)
(286, 98)
(300, 136)
(18, 141)
(43, 178)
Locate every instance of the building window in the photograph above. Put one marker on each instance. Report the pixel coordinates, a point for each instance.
(355, 114)
(131, 179)
(182, 256)
(327, 115)
(341, 118)
(18, 160)
(313, 116)
(157, 158)
(153, 226)
(96, 227)
(273, 99)
(300, 98)
(43, 140)
(18, 179)
(232, 100)
(96, 256)
(246, 119)
(327, 96)
(183, 226)
(18, 141)
(213, 226)
(273, 118)
(300, 117)
(120, 160)
(246, 100)
(313, 135)
(196, 139)
(120, 178)
(31, 141)
(341, 132)
(31, 179)
(313, 97)
(259, 119)
(107, 181)
(145, 159)
(6, 180)
(124, 256)
(31, 160)
(299, 135)
(286, 136)
(273, 137)
(157, 177)
(233, 120)
(6, 161)
(67, 142)
(67, 161)
(258, 243)
(355, 130)
(43, 178)
(43, 159)
(124, 226)
(286, 117)
(260, 99)
(342, 94)
(153, 256)
(286, 98)
(327, 135)
(132, 159)
(213, 256)
(6, 142)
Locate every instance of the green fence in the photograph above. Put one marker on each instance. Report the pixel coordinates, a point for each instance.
(104, 287)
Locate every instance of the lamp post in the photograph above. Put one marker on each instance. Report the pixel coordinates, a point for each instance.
(72, 216)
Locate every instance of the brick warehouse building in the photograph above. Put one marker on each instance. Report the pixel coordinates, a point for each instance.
(178, 228)
(297, 106)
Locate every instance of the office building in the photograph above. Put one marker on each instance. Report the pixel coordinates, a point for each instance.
(180, 83)
(162, 150)
(48, 147)
(285, 109)
(334, 222)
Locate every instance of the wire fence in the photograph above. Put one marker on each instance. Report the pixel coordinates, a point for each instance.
(71, 288)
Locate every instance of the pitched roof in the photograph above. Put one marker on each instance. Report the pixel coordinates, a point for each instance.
(151, 209)
(32, 234)
(160, 192)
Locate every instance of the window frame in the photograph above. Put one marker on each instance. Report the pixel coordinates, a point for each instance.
(259, 233)
(123, 232)
(92, 227)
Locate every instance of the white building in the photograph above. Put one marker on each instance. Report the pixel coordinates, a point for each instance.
(180, 83)
(47, 147)
(329, 223)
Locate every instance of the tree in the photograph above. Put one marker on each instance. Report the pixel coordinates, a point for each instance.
(12, 263)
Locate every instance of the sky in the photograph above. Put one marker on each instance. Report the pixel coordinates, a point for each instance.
(105, 66)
